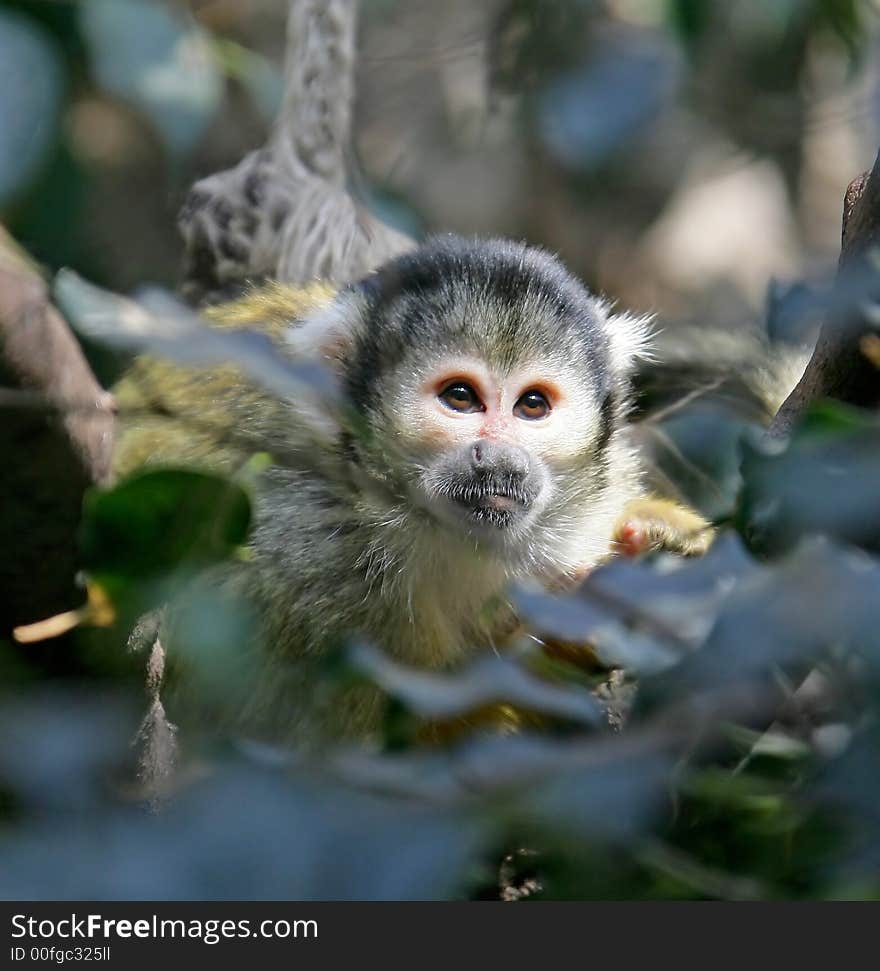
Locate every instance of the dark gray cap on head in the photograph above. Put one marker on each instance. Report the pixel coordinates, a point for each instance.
(502, 300)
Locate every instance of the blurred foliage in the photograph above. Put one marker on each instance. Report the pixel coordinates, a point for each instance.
(126, 93)
(136, 98)
(746, 681)
(142, 54)
(588, 115)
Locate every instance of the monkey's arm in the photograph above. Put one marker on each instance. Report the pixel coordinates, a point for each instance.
(209, 417)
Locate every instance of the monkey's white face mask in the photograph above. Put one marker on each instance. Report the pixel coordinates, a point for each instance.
(490, 449)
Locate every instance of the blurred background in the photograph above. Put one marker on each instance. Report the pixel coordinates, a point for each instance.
(678, 154)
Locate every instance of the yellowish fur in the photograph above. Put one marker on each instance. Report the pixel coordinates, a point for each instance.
(177, 415)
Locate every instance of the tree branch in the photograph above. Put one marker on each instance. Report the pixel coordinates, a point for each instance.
(56, 436)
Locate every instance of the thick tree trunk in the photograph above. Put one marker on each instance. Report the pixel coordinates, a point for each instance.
(839, 367)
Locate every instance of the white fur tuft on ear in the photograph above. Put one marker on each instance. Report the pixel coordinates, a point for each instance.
(324, 337)
(326, 334)
(631, 338)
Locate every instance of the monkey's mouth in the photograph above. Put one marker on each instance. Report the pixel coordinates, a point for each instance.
(492, 506)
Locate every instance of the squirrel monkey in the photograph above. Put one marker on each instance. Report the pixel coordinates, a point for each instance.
(493, 389)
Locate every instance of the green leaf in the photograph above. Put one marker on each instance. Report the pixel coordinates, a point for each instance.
(825, 419)
(850, 787)
(155, 522)
(689, 18)
(215, 634)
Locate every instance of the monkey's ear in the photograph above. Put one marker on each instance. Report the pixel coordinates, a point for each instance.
(327, 333)
(631, 338)
(324, 337)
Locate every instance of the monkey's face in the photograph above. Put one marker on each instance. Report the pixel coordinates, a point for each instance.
(493, 384)
(493, 451)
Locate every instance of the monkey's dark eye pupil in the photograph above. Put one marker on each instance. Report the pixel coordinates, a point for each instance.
(461, 397)
(532, 405)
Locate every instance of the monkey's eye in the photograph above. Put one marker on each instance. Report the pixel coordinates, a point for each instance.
(531, 406)
(461, 397)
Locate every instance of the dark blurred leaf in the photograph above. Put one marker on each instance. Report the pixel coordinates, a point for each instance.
(677, 580)
(794, 312)
(490, 679)
(58, 747)
(818, 598)
(847, 19)
(216, 636)
(613, 800)
(599, 788)
(583, 621)
(395, 210)
(157, 521)
(161, 325)
(690, 18)
(850, 786)
(31, 89)
(532, 40)
(698, 450)
(642, 615)
(145, 53)
(248, 834)
(825, 481)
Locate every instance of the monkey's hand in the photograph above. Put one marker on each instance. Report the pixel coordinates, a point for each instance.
(649, 523)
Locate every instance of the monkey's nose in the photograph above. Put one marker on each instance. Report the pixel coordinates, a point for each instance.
(500, 457)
